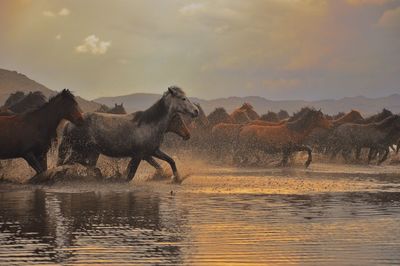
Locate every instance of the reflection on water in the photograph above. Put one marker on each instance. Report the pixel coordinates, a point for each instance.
(140, 226)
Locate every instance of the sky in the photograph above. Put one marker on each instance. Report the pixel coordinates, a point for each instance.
(278, 49)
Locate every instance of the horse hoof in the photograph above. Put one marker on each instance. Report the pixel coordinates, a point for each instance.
(176, 179)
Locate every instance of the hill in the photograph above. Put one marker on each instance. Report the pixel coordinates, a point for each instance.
(367, 106)
(11, 81)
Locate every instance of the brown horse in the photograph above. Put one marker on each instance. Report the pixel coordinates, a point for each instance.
(351, 117)
(286, 138)
(29, 135)
(219, 115)
(177, 126)
(244, 114)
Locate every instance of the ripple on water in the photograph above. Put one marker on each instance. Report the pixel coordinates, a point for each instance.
(219, 220)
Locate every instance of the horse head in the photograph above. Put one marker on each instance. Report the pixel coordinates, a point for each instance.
(69, 106)
(178, 126)
(177, 101)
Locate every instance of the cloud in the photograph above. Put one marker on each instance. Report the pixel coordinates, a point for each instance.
(92, 44)
(48, 13)
(367, 2)
(390, 18)
(58, 37)
(192, 9)
(63, 12)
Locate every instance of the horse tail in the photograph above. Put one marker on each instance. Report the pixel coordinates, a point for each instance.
(65, 144)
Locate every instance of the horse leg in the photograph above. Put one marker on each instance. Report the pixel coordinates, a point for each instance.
(371, 154)
(42, 159)
(358, 152)
(285, 156)
(154, 163)
(308, 149)
(62, 151)
(92, 158)
(33, 162)
(132, 167)
(345, 154)
(398, 147)
(384, 156)
(162, 156)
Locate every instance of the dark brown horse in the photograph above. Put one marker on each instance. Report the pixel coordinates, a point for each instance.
(378, 117)
(29, 135)
(117, 109)
(270, 117)
(18, 103)
(286, 138)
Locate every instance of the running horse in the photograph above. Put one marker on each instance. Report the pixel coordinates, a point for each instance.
(285, 138)
(137, 135)
(29, 135)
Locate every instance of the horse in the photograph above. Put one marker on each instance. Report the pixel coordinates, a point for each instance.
(224, 137)
(351, 117)
(219, 115)
(177, 126)
(270, 117)
(283, 114)
(377, 136)
(14, 98)
(117, 109)
(137, 135)
(285, 138)
(244, 114)
(378, 117)
(320, 137)
(249, 109)
(199, 129)
(29, 102)
(29, 135)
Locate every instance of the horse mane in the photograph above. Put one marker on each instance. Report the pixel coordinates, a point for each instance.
(349, 117)
(153, 113)
(63, 94)
(300, 113)
(246, 106)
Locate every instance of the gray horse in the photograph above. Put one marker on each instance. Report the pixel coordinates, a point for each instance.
(137, 135)
(376, 136)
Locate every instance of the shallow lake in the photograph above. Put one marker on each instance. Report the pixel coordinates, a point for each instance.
(220, 217)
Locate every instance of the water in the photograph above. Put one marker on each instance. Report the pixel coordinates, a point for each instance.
(220, 217)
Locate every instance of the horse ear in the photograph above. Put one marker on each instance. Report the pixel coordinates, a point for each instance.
(172, 91)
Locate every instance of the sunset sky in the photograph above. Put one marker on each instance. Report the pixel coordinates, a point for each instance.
(278, 49)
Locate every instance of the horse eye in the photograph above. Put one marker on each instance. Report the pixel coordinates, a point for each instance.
(184, 99)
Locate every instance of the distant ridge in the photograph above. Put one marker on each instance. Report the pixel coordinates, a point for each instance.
(367, 106)
(11, 81)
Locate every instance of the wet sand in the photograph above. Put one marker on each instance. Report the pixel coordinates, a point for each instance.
(329, 214)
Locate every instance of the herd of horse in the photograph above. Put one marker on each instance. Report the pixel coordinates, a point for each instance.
(29, 132)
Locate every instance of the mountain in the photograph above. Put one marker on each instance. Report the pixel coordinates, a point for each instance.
(11, 81)
(367, 106)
